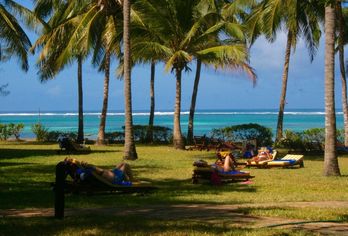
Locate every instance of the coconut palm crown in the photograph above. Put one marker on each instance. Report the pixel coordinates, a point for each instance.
(177, 32)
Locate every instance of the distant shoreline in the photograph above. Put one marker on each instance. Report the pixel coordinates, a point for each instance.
(205, 120)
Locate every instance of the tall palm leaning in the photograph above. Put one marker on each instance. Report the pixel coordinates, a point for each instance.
(331, 167)
(179, 38)
(299, 18)
(102, 125)
(101, 33)
(53, 41)
(231, 16)
(14, 41)
(129, 144)
(149, 133)
(341, 26)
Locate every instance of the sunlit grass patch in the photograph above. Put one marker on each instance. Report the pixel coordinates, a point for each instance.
(27, 169)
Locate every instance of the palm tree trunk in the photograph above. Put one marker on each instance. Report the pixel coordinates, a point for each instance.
(80, 135)
(178, 142)
(129, 145)
(343, 71)
(193, 102)
(284, 88)
(101, 133)
(330, 156)
(149, 134)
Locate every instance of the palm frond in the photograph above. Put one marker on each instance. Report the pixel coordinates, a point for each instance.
(15, 39)
(178, 60)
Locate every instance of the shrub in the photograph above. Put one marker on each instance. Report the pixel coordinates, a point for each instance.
(160, 134)
(15, 129)
(4, 132)
(307, 140)
(313, 139)
(52, 136)
(291, 140)
(340, 135)
(261, 134)
(40, 131)
(115, 137)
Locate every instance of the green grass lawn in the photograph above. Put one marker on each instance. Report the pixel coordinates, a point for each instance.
(27, 169)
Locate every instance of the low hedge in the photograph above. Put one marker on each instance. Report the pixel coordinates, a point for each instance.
(243, 132)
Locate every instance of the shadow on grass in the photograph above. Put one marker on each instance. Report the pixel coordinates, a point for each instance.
(9, 153)
(115, 225)
(287, 212)
(24, 186)
(10, 164)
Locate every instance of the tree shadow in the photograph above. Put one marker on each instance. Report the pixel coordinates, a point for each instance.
(12, 153)
(117, 225)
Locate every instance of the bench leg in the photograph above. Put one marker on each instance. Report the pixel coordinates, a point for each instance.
(59, 190)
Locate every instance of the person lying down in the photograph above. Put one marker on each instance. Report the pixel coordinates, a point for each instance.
(121, 174)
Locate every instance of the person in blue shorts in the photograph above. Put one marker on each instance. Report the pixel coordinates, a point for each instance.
(122, 172)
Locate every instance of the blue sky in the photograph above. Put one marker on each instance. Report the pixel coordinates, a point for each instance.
(217, 90)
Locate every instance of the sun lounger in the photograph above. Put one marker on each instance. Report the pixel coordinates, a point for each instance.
(263, 163)
(204, 172)
(92, 184)
(69, 146)
(199, 143)
(290, 160)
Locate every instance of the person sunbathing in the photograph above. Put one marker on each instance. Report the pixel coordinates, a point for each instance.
(263, 155)
(226, 163)
(122, 172)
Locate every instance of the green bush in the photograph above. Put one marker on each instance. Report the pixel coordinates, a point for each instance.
(7, 130)
(40, 131)
(16, 129)
(307, 140)
(261, 134)
(340, 135)
(160, 134)
(313, 139)
(52, 136)
(291, 140)
(115, 137)
(4, 132)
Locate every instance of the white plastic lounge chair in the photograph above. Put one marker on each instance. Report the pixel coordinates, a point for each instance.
(287, 161)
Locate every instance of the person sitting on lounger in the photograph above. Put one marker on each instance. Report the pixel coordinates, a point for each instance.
(263, 155)
(121, 172)
(226, 163)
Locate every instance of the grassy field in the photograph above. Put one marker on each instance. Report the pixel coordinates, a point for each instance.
(27, 169)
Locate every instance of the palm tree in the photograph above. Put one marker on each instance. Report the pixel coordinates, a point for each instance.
(299, 18)
(101, 33)
(102, 125)
(94, 26)
(54, 40)
(330, 156)
(179, 38)
(14, 41)
(193, 102)
(341, 41)
(149, 133)
(129, 144)
(232, 17)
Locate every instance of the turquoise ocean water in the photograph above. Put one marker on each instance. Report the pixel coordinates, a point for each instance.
(205, 120)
